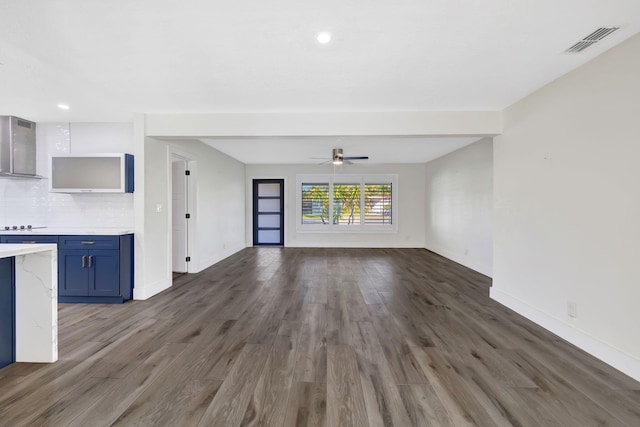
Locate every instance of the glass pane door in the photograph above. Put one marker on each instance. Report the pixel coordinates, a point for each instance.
(268, 212)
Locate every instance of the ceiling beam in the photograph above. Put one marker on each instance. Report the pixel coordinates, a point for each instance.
(428, 123)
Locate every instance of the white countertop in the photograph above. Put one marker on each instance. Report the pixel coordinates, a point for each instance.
(12, 249)
(110, 231)
(36, 300)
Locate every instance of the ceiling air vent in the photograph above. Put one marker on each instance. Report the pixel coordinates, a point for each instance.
(592, 39)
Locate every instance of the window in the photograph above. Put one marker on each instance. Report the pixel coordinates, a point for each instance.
(352, 203)
(315, 203)
(377, 204)
(346, 204)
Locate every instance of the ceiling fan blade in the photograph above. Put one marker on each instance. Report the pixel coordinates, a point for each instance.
(356, 158)
(319, 158)
(324, 163)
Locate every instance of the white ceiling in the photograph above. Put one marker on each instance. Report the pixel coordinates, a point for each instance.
(111, 59)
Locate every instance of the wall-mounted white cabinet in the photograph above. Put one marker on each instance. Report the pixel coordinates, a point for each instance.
(92, 173)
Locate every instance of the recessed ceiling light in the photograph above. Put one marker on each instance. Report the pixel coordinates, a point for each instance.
(63, 106)
(323, 38)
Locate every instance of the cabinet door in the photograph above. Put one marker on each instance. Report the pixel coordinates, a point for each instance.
(104, 276)
(73, 273)
(7, 308)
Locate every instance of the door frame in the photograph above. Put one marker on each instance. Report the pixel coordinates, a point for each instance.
(254, 208)
(184, 181)
(192, 205)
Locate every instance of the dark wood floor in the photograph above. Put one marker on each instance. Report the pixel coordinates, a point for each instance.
(337, 337)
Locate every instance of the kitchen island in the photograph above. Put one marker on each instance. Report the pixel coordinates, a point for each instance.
(36, 310)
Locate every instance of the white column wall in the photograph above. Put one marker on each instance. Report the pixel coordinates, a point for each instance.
(218, 216)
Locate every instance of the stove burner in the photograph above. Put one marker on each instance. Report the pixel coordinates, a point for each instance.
(20, 227)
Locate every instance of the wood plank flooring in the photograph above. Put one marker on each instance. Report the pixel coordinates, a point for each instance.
(315, 337)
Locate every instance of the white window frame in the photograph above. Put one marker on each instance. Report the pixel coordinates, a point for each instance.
(361, 179)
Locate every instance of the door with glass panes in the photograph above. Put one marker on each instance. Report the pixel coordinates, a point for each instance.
(268, 212)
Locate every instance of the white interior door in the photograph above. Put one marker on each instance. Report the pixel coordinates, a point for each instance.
(178, 214)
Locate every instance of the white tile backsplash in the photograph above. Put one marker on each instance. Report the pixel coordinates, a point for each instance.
(28, 201)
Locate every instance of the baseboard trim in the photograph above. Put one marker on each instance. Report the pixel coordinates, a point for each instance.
(471, 263)
(146, 292)
(90, 300)
(382, 245)
(592, 345)
(218, 257)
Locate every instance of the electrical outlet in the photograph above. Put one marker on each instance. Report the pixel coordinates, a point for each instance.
(572, 309)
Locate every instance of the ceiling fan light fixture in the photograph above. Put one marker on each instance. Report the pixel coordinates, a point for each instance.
(337, 156)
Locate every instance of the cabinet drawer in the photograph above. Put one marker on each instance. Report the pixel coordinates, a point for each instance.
(88, 242)
(28, 238)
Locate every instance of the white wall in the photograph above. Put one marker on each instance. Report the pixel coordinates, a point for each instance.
(410, 215)
(567, 207)
(28, 201)
(153, 273)
(459, 206)
(218, 215)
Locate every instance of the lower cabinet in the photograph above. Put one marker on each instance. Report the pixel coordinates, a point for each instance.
(7, 312)
(89, 273)
(91, 268)
(95, 269)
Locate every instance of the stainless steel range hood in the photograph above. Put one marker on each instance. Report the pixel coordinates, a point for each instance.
(17, 148)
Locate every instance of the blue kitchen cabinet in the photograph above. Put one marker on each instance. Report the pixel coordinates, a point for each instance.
(92, 173)
(95, 269)
(89, 273)
(104, 279)
(7, 312)
(91, 268)
(73, 276)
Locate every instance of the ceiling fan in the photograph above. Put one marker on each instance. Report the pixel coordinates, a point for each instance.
(338, 158)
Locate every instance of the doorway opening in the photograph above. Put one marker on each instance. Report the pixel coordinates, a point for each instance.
(180, 215)
(268, 212)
